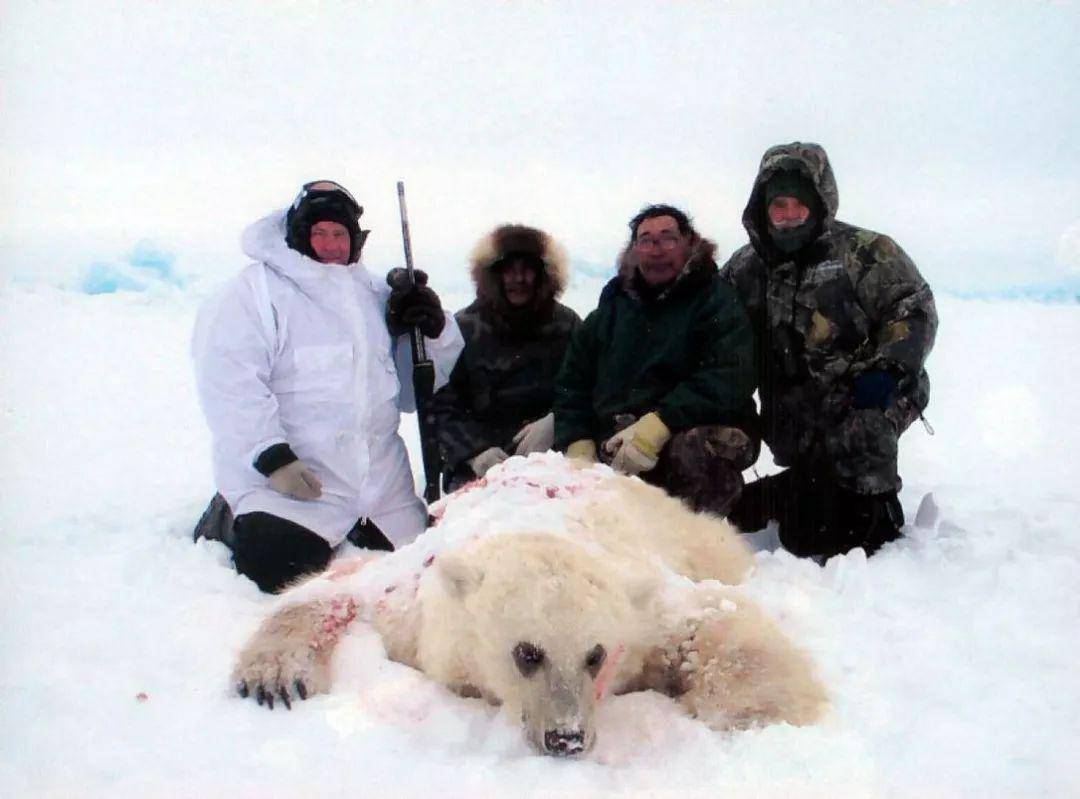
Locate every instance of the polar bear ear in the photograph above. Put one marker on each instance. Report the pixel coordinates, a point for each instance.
(459, 576)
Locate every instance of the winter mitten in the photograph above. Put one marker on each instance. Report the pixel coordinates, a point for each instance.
(486, 459)
(297, 480)
(637, 448)
(583, 450)
(536, 436)
(412, 305)
(874, 389)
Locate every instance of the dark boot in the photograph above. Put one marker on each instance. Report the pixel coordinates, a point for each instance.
(762, 501)
(216, 522)
(824, 519)
(367, 535)
(874, 521)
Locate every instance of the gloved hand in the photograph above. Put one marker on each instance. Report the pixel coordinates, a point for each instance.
(873, 389)
(536, 436)
(637, 448)
(582, 450)
(412, 306)
(297, 480)
(486, 459)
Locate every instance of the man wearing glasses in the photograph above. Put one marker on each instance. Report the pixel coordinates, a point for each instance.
(303, 370)
(659, 379)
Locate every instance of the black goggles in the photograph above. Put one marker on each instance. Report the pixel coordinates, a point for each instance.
(326, 189)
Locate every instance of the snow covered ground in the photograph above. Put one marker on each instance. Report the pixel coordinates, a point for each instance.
(950, 657)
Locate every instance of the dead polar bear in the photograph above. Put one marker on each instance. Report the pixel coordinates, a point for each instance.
(551, 584)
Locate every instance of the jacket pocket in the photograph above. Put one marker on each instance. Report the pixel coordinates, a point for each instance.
(832, 326)
(315, 367)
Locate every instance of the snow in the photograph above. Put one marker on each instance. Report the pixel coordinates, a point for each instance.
(949, 657)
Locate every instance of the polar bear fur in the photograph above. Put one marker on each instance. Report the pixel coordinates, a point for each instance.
(599, 584)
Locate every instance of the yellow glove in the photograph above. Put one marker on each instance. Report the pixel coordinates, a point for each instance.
(637, 448)
(582, 450)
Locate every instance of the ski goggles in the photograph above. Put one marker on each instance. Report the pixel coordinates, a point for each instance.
(318, 190)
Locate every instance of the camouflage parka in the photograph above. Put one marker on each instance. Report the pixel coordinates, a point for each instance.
(848, 302)
(505, 376)
(686, 353)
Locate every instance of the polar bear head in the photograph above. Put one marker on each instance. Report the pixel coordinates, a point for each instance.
(539, 623)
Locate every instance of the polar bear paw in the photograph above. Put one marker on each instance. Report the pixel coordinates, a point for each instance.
(740, 671)
(289, 656)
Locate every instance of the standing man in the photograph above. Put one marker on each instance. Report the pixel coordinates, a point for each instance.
(302, 372)
(659, 379)
(843, 323)
(498, 401)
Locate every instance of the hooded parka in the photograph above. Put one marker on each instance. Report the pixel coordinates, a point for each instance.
(848, 302)
(296, 351)
(505, 378)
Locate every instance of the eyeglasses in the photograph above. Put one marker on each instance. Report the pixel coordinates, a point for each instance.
(327, 187)
(668, 241)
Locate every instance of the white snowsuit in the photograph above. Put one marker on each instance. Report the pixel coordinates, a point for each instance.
(295, 351)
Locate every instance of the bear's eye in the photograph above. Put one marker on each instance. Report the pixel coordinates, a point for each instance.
(528, 658)
(595, 659)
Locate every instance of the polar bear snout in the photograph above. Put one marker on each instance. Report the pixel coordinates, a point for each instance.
(563, 737)
(564, 743)
(558, 712)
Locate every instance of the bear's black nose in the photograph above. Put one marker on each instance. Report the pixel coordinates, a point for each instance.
(563, 743)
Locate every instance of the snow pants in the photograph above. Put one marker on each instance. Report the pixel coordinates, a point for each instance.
(272, 551)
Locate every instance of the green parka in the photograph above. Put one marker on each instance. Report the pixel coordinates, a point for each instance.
(686, 353)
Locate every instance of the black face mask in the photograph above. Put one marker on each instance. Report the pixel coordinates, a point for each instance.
(791, 240)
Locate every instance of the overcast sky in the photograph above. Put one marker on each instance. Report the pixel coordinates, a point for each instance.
(951, 126)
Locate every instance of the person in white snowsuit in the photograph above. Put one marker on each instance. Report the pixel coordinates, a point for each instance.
(302, 372)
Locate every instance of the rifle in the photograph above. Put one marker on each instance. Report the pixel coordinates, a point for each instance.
(423, 375)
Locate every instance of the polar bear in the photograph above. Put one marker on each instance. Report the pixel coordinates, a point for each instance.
(544, 587)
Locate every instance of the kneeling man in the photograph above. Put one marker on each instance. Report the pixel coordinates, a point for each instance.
(659, 379)
(843, 322)
(302, 366)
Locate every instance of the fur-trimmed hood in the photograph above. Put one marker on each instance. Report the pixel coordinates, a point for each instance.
(507, 240)
(700, 268)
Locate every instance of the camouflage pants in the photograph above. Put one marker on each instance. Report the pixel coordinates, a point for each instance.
(862, 450)
(857, 447)
(703, 466)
